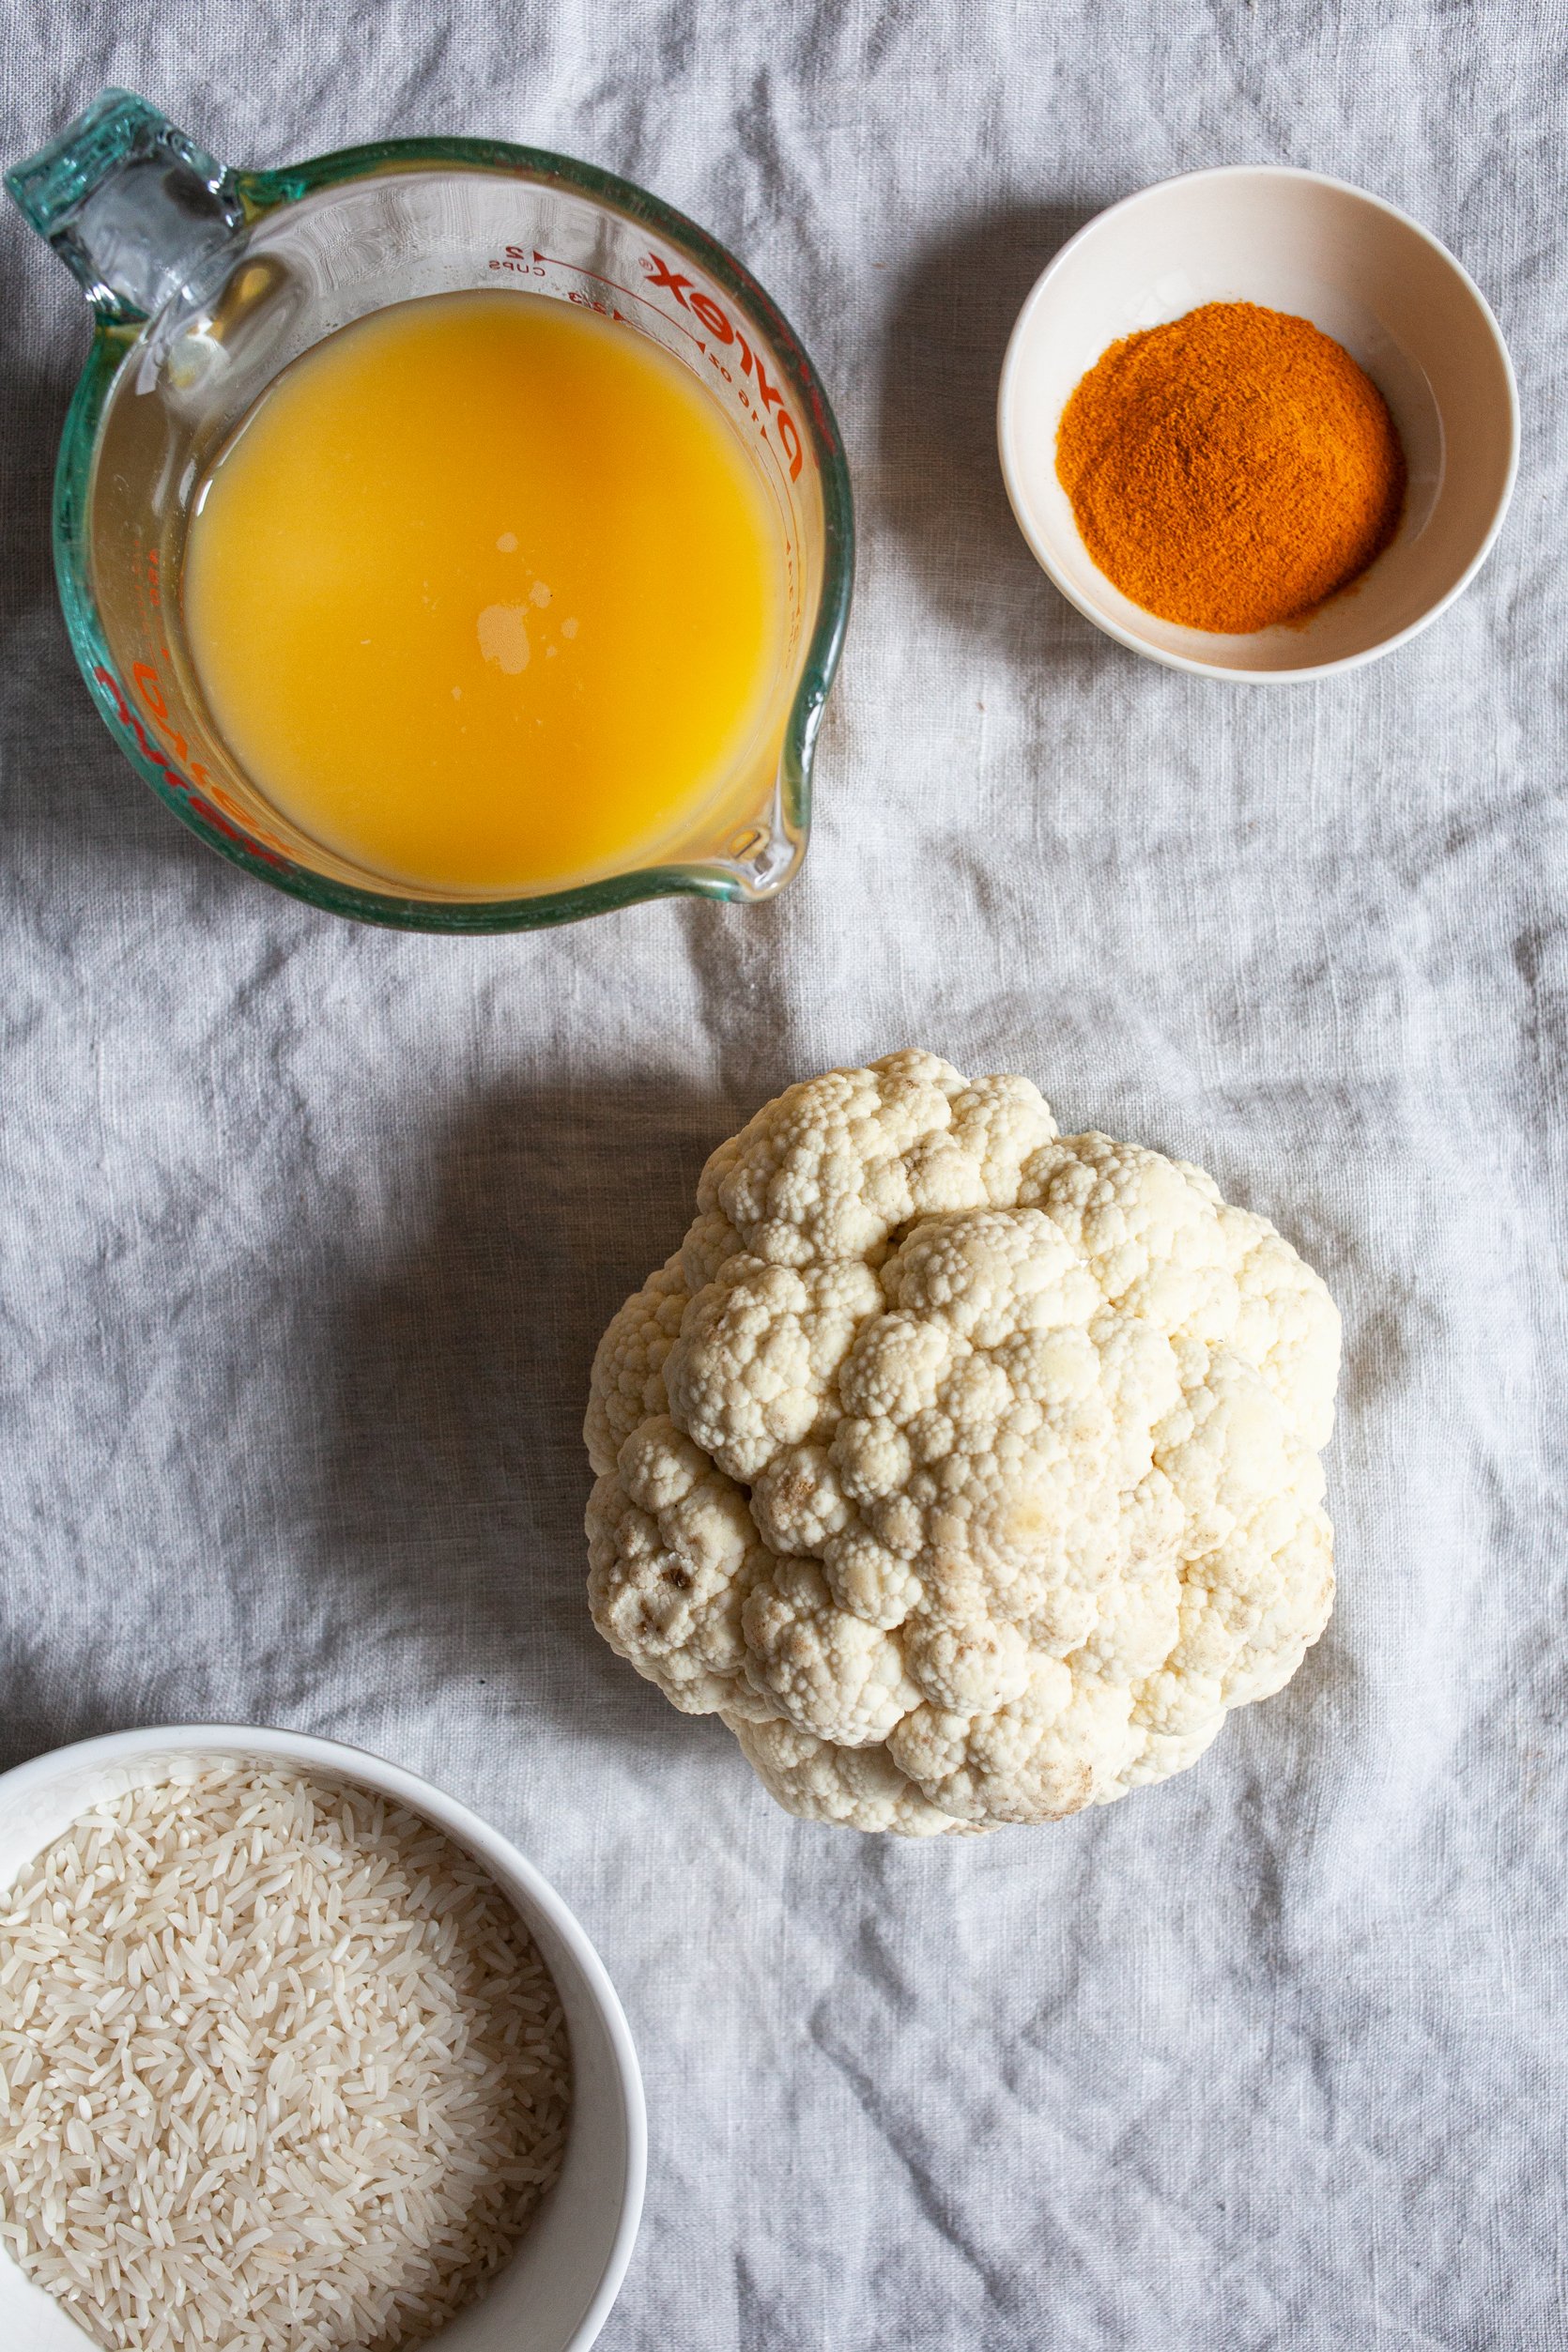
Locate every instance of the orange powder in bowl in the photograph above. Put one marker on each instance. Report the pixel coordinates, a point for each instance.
(1232, 469)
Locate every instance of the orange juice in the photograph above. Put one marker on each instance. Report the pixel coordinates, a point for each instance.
(485, 594)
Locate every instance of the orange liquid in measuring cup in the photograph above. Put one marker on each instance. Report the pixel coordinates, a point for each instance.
(485, 595)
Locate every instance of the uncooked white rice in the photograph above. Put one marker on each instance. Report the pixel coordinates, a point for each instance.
(280, 2070)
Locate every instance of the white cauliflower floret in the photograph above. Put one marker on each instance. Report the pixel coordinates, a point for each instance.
(754, 1368)
(672, 1555)
(825, 1670)
(861, 1787)
(628, 1387)
(968, 1472)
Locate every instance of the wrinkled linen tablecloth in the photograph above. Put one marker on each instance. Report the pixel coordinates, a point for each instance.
(310, 1230)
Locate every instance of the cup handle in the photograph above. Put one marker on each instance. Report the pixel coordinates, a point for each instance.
(132, 204)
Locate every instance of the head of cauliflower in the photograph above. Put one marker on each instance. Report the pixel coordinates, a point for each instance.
(968, 1471)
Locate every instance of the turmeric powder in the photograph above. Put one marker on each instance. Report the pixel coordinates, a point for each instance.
(1232, 469)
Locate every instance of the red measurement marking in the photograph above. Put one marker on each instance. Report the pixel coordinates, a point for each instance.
(129, 720)
(240, 833)
(211, 798)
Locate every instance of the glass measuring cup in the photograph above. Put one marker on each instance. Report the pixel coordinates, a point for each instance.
(208, 281)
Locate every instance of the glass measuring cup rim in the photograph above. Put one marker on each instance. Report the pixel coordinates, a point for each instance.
(762, 858)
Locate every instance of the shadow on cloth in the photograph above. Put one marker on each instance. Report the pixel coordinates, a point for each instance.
(941, 477)
(431, 1474)
(34, 409)
(452, 1469)
(35, 1718)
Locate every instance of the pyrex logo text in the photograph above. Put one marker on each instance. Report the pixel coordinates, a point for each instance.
(707, 312)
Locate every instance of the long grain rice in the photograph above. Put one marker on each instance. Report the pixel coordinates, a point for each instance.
(280, 2070)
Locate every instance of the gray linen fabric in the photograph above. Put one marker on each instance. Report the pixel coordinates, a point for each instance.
(309, 1231)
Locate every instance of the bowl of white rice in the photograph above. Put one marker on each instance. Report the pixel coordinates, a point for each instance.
(297, 2054)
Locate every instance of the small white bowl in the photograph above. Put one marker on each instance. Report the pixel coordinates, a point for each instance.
(1362, 272)
(554, 2293)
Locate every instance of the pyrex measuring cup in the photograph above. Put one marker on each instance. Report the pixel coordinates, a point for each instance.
(208, 281)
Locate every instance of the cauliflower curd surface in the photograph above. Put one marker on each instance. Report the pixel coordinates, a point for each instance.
(969, 1472)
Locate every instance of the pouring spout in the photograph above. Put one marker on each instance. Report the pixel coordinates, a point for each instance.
(132, 204)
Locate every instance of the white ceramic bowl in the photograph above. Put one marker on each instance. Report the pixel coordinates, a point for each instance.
(554, 2293)
(1365, 274)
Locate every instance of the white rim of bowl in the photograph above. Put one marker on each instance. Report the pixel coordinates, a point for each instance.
(1006, 434)
(469, 1829)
